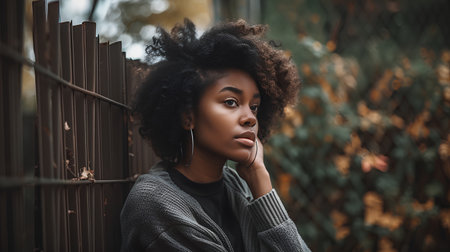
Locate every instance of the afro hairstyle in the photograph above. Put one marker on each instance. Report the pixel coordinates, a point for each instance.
(187, 64)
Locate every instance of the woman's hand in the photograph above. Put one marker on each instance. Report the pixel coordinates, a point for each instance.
(256, 174)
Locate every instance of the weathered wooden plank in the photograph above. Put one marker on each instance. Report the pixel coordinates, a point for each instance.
(45, 125)
(14, 232)
(105, 110)
(98, 224)
(53, 235)
(113, 201)
(97, 191)
(105, 137)
(43, 91)
(55, 67)
(113, 193)
(80, 99)
(116, 64)
(73, 212)
(80, 130)
(70, 154)
(84, 216)
(91, 71)
(91, 66)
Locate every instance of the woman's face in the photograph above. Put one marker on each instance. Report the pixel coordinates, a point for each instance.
(225, 123)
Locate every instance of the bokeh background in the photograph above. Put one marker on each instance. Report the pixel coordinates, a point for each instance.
(363, 161)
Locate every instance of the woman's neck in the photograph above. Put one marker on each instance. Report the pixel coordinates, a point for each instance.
(203, 168)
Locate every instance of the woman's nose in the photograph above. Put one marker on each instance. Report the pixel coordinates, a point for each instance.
(248, 118)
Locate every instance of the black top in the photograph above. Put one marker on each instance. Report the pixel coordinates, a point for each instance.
(214, 201)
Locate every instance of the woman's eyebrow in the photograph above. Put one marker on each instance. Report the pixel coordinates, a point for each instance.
(237, 91)
(232, 89)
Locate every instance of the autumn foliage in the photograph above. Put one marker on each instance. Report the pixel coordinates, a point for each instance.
(363, 161)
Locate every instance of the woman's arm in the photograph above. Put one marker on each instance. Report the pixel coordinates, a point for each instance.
(255, 172)
(276, 231)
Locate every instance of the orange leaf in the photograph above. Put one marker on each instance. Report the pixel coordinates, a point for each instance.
(284, 184)
(371, 161)
(342, 164)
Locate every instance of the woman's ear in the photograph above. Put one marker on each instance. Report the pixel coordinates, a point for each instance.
(188, 120)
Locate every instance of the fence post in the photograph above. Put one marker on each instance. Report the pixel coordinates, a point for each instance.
(14, 211)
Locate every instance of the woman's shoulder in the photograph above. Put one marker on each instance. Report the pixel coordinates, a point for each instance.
(155, 191)
(154, 206)
(147, 183)
(156, 202)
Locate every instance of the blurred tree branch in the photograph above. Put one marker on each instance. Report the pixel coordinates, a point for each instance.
(94, 6)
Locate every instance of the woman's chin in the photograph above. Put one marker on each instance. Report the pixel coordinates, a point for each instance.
(241, 158)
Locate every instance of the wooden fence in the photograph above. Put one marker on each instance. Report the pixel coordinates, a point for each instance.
(87, 149)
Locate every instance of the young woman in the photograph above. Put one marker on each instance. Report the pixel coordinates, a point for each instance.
(209, 100)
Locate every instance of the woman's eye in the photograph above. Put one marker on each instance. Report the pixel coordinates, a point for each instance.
(254, 108)
(230, 103)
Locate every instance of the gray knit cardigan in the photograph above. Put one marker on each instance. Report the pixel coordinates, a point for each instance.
(159, 216)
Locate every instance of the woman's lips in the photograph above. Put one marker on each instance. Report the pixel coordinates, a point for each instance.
(246, 138)
(245, 141)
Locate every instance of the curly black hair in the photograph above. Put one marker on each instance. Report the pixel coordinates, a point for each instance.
(188, 64)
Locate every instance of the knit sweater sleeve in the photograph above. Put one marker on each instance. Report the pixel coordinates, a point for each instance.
(276, 231)
(265, 223)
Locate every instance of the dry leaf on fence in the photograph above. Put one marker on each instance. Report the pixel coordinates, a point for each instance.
(86, 174)
(66, 126)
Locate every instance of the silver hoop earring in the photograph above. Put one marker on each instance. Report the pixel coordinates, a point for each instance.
(192, 149)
